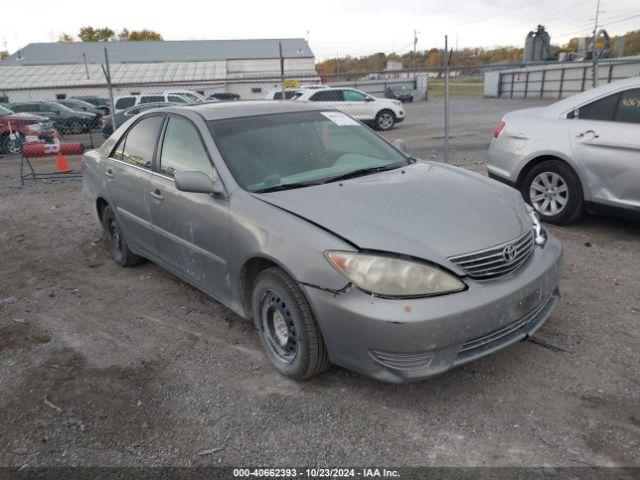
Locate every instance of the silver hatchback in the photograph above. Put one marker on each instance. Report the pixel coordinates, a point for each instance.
(339, 246)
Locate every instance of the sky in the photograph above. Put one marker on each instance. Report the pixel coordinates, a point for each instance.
(333, 27)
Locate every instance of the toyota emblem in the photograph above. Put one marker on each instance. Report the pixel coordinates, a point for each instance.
(509, 253)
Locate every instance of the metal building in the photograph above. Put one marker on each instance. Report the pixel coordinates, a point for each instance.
(537, 46)
(46, 71)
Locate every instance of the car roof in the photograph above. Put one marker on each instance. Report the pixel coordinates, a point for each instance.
(243, 108)
(572, 102)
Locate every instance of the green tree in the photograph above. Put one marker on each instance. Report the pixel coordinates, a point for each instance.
(139, 35)
(90, 34)
(65, 37)
(3, 54)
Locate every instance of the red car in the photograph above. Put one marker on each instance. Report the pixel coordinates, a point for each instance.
(25, 127)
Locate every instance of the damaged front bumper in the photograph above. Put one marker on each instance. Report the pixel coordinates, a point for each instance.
(401, 340)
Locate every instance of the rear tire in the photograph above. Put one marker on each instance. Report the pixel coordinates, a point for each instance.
(385, 120)
(553, 189)
(115, 240)
(288, 331)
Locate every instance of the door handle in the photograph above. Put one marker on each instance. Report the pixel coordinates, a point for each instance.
(108, 173)
(157, 195)
(582, 134)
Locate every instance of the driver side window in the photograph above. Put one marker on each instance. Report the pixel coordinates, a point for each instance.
(183, 150)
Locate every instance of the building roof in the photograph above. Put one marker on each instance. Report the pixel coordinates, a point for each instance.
(157, 51)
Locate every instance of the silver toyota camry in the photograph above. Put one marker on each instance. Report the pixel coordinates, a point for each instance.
(341, 247)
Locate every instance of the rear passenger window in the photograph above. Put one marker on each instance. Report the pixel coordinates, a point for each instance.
(629, 107)
(125, 102)
(138, 145)
(602, 109)
(182, 149)
(176, 99)
(327, 96)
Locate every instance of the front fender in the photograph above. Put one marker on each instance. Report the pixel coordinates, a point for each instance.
(259, 229)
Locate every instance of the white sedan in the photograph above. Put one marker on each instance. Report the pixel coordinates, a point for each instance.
(581, 153)
(381, 113)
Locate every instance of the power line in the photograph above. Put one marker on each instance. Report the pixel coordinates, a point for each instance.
(500, 14)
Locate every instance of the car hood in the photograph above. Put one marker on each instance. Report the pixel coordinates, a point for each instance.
(23, 117)
(426, 210)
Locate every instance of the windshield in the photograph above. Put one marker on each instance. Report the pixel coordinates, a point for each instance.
(291, 150)
(5, 111)
(399, 88)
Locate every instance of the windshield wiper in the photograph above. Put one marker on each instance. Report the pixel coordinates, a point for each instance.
(362, 172)
(286, 186)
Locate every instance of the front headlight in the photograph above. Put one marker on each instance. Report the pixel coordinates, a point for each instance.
(540, 236)
(393, 277)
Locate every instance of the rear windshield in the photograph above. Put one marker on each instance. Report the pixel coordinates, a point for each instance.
(291, 149)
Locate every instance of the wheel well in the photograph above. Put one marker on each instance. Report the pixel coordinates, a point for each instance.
(100, 204)
(248, 274)
(536, 161)
(386, 110)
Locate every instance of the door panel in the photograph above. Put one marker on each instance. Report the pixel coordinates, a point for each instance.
(190, 234)
(190, 229)
(610, 155)
(126, 187)
(605, 135)
(127, 175)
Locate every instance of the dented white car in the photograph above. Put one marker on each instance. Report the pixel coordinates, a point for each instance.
(581, 153)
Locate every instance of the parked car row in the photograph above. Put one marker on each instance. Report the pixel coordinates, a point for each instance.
(16, 128)
(64, 119)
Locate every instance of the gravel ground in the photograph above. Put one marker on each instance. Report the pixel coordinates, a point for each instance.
(102, 365)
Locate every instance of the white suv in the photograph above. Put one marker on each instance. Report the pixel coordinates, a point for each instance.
(381, 113)
(128, 101)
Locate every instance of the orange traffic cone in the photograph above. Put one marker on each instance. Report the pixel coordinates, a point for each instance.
(56, 138)
(62, 164)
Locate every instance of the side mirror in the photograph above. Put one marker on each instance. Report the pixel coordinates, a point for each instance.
(401, 145)
(368, 99)
(198, 182)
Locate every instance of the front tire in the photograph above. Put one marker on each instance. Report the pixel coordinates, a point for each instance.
(385, 120)
(553, 189)
(115, 241)
(288, 331)
(11, 146)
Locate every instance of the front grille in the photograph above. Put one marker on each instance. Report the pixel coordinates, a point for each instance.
(402, 361)
(496, 261)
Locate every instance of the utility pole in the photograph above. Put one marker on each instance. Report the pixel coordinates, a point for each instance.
(337, 69)
(594, 74)
(282, 72)
(86, 67)
(415, 44)
(106, 69)
(446, 99)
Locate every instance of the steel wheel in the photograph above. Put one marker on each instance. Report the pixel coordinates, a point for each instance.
(278, 327)
(115, 237)
(385, 120)
(116, 240)
(549, 193)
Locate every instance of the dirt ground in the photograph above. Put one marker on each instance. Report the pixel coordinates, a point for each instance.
(102, 365)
